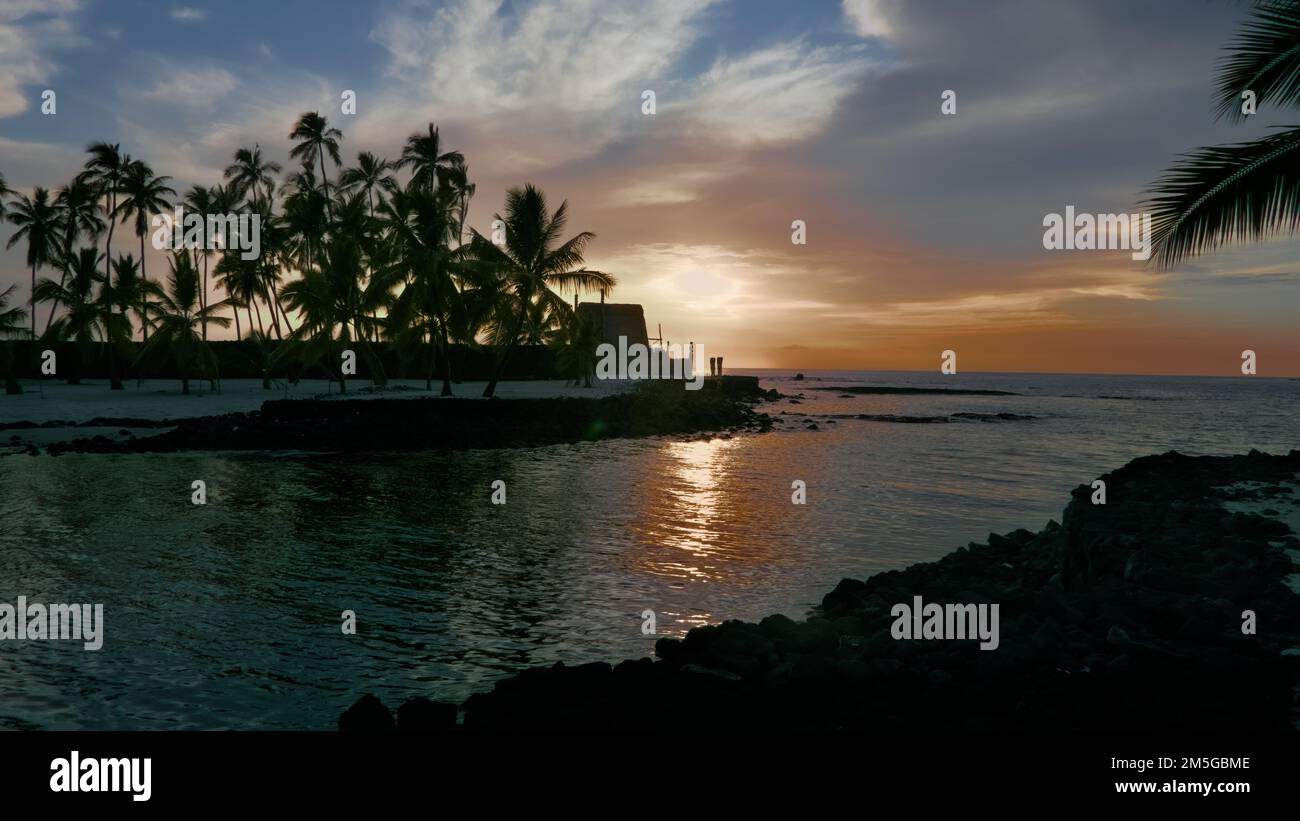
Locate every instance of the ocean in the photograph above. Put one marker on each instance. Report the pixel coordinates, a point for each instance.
(228, 615)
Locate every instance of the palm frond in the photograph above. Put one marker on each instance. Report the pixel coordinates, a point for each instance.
(1227, 193)
(1264, 59)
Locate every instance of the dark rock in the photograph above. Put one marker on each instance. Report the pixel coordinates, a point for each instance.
(420, 715)
(368, 715)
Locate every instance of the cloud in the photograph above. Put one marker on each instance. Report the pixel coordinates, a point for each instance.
(210, 110)
(182, 85)
(188, 14)
(785, 92)
(571, 73)
(28, 164)
(868, 18)
(665, 188)
(29, 29)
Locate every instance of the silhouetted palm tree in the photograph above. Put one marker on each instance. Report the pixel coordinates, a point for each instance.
(575, 346)
(369, 174)
(305, 215)
(104, 172)
(241, 279)
(123, 292)
(11, 322)
(180, 321)
(418, 226)
(462, 190)
(329, 300)
(429, 165)
(314, 136)
(38, 223)
(529, 262)
(249, 172)
(199, 201)
(1240, 191)
(84, 317)
(79, 212)
(145, 195)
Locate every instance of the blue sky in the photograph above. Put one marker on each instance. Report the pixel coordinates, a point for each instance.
(924, 230)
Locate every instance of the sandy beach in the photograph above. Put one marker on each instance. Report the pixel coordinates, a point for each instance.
(53, 401)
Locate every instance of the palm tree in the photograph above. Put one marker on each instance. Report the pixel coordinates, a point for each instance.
(38, 222)
(181, 320)
(368, 174)
(1240, 191)
(305, 216)
(314, 136)
(104, 173)
(241, 279)
(249, 172)
(575, 346)
(274, 246)
(418, 226)
(223, 199)
(462, 190)
(199, 200)
(11, 321)
(530, 262)
(146, 195)
(76, 290)
(79, 211)
(429, 165)
(5, 191)
(123, 291)
(327, 298)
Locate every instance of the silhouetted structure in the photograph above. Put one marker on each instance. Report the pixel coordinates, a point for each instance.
(615, 320)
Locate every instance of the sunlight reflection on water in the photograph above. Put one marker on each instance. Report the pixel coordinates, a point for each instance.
(228, 615)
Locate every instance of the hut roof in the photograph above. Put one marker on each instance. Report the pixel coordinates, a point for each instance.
(617, 320)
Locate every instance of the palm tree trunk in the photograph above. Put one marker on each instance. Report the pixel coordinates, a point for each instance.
(63, 276)
(500, 367)
(433, 359)
(325, 183)
(205, 296)
(33, 300)
(49, 320)
(114, 383)
(144, 295)
(343, 379)
(270, 306)
(446, 360)
(279, 305)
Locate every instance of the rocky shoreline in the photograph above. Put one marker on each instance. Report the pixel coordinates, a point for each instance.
(1124, 617)
(725, 405)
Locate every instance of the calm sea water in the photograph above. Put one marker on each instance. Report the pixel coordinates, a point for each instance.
(227, 616)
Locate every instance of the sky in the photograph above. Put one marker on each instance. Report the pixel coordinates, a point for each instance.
(924, 231)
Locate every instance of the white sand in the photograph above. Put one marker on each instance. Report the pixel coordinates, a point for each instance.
(162, 399)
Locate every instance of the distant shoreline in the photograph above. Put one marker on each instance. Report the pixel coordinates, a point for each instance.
(419, 422)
